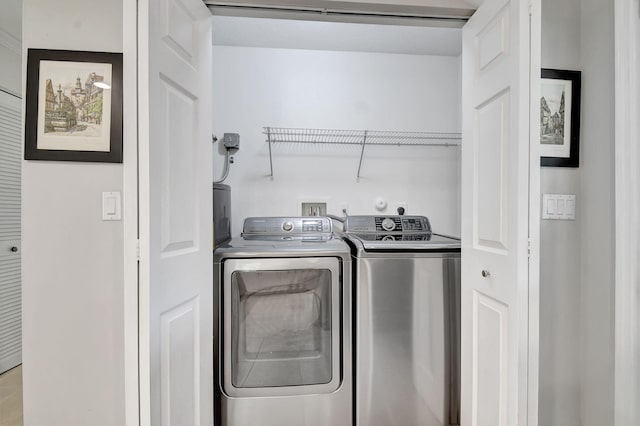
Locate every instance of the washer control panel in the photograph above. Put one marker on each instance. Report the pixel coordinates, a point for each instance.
(390, 224)
(415, 224)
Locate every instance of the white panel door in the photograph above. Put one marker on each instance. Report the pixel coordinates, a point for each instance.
(10, 264)
(495, 215)
(176, 324)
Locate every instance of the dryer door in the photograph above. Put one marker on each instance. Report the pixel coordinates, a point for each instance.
(281, 331)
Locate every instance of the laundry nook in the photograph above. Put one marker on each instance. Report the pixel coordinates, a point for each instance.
(319, 213)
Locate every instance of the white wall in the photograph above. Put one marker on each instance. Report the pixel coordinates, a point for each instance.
(597, 170)
(72, 260)
(256, 87)
(560, 254)
(576, 330)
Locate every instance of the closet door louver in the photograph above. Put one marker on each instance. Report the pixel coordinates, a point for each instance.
(10, 248)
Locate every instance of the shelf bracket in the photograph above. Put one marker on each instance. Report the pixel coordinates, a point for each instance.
(270, 156)
(364, 142)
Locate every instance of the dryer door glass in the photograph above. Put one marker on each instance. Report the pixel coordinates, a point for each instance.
(281, 331)
(281, 328)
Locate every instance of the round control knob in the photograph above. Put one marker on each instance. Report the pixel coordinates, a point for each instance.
(388, 238)
(287, 226)
(486, 273)
(388, 224)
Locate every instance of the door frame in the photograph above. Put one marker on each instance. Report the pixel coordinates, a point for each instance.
(134, 376)
(130, 202)
(533, 301)
(627, 206)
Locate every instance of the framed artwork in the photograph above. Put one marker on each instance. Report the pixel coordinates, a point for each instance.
(560, 118)
(73, 106)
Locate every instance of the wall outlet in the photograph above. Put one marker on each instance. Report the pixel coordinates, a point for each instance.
(313, 208)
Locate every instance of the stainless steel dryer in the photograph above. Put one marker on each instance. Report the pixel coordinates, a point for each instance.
(407, 326)
(283, 319)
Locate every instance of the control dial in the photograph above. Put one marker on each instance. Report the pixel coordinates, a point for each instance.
(388, 224)
(287, 226)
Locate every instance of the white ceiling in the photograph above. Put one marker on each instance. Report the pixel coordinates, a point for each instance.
(337, 36)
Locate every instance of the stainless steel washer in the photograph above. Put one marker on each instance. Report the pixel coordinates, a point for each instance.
(282, 297)
(407, 326)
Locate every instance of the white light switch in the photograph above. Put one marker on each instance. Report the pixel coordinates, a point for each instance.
(559, 206)
(111, 206)
(551, 206)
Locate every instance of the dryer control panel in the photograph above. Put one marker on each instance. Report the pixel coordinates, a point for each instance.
(291, 226)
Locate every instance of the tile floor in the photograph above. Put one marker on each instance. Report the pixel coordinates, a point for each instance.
(11, 397)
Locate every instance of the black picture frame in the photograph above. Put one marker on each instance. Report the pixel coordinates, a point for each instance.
(84, 121)
(573, 80)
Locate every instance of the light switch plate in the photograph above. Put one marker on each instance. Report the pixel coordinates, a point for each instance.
(111, 206)
(559, 206)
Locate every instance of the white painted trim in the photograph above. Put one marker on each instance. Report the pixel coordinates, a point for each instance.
(627, 208)
(130, 213)
(144, 303)
(533, 363)
(10, 42)
(450, 9)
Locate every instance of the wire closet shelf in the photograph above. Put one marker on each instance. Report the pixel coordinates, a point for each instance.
(357, 137)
